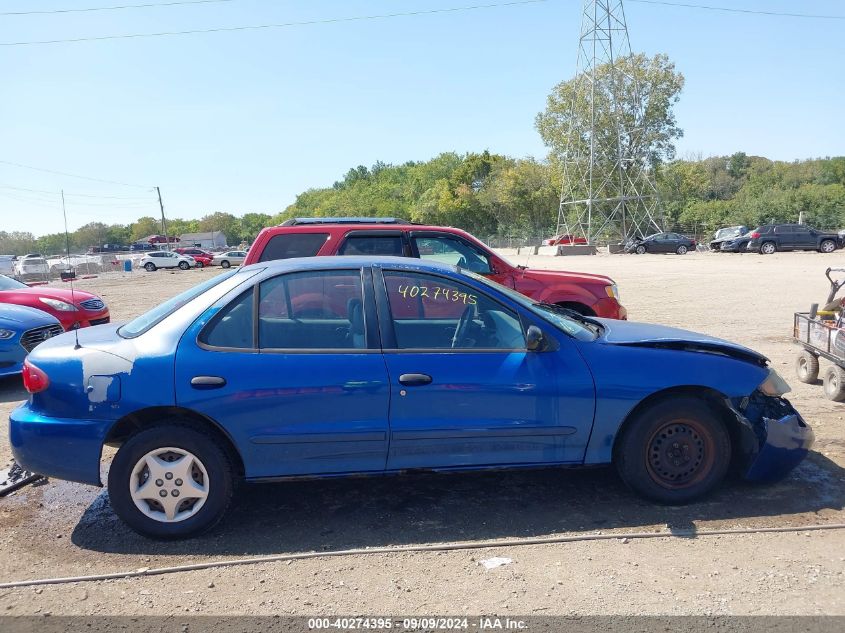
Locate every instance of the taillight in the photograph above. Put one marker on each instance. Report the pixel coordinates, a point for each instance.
(34, 379)
(755, 235)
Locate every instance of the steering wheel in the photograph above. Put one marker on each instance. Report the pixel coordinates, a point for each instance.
(469, 315)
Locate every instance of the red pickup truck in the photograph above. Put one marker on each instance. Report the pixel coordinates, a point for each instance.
(591, 295)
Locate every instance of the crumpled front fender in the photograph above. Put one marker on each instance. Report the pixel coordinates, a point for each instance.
(774, 436)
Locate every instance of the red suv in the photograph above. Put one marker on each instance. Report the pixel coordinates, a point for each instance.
(592, 295)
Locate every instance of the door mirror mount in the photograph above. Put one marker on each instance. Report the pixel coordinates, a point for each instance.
(535, 340)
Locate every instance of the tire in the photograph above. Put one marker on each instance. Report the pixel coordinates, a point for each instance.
(767, 248)
(653, 464)
(225, 264)
(827, 246)
(640, 250)
(682, 250)
(184, 265)
(807, 367)
(834, 383)
(208, 466)
(150, 267)
(199, 264)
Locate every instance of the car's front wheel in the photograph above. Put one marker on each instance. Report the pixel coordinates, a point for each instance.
(225, 263)
(150, 267)
(170, 482)
(641, 249)
(827, 246)
(184, 265)
(674, 451)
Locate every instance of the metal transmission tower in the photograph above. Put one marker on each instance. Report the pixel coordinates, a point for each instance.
(608, 190)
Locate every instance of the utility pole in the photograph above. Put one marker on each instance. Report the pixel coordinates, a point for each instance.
(163, 221)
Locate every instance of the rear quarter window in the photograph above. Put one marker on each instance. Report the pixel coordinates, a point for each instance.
(288, 245)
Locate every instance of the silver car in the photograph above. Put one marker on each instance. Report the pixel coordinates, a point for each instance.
(229, 258)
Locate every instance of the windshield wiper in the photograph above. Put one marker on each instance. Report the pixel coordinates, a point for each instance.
(573, 314)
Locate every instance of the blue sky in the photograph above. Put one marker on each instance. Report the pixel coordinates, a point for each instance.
(244, 121)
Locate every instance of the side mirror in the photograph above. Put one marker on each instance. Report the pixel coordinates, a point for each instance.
(535, 340)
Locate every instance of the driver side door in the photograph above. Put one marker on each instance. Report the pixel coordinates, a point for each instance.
(479, 398)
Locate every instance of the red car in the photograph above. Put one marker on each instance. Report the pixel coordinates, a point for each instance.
(202, 257)
(564, 240)
(591, 295)
(73, 310)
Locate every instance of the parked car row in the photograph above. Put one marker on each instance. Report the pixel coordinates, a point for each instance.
(187, 258)
(31, 315)
(772, 238)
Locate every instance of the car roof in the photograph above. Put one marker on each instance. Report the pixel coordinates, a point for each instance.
(352, 261)
(341, 226)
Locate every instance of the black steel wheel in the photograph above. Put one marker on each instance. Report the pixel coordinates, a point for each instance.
(673, 452)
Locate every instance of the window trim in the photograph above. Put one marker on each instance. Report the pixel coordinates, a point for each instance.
(372, 340)
(388, 332)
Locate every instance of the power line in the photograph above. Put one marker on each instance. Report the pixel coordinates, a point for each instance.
(75, 195)
(62, 173)
(115, 7)
(735, 10)
(253, 27)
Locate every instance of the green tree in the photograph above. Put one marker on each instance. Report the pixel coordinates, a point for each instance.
(224, 222)
(144, 227)
(644, 91)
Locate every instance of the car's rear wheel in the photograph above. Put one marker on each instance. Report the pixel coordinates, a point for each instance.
(834, 383)
(150, 267)
(225, 263)
(673, 452)
(767, 248)
(640, 250)
(199, 264)
(170, 482)
(807, 367)
(682, 250)
(827, 246)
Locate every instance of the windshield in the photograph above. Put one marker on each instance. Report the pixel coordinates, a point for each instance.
(574, 326)
(141, 324)
(7, 283)
(730, 232)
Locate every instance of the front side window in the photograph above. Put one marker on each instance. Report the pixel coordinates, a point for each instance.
(454, 251)
(233, 325)
(431, 312)
(287, 245)
(312, 310)
(372, 245)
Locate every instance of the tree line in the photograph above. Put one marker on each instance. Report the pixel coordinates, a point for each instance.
(492, 195)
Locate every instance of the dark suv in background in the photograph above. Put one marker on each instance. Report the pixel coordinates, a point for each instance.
(770, 238)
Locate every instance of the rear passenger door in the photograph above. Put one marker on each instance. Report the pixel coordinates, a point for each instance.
(291, 368)
(375, 242)
(805, 239)
(785, 237)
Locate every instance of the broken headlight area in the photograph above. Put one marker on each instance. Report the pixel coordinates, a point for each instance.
(774, 438)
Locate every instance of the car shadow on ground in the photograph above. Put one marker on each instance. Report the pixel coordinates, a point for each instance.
(11, 389)
(435, 508)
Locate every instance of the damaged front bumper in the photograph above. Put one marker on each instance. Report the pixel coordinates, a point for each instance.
(774, 438)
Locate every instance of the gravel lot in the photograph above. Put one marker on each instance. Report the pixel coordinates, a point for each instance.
(63, 529)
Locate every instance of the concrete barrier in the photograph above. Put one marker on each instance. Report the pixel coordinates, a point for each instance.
(576, 249)
(615, 249)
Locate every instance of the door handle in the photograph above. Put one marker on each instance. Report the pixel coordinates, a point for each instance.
(414, 380)
(208, 382)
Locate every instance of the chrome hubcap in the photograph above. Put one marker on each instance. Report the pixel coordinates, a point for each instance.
(169, 484)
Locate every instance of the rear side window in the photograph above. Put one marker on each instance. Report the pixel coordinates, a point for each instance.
(372, 245)
(287, 245)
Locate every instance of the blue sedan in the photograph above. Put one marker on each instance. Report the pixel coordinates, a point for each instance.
(339, 366)
(21, 329)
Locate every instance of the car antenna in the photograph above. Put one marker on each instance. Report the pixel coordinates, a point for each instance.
(72, 273)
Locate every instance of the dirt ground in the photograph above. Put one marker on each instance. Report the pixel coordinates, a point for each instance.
(64, 529)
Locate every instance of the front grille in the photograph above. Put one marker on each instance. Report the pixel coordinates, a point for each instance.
(33, 337)
(99, 321)
(93, 304)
